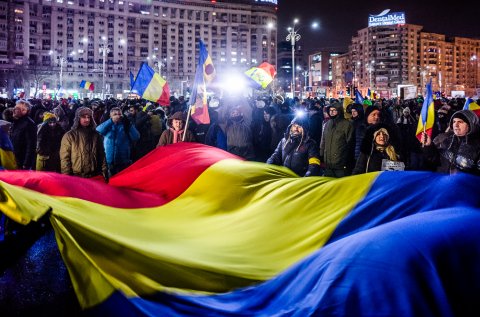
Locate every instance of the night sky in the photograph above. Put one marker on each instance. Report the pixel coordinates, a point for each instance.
(340, 20)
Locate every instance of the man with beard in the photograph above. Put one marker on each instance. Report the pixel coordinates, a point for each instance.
(297, 151)
(81, 151)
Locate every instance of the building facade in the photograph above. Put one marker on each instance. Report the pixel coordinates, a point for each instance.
(45, 44)
(383, 57)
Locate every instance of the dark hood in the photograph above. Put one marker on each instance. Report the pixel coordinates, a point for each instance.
(468, 116)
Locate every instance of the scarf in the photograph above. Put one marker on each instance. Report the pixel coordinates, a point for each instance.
(177, 135)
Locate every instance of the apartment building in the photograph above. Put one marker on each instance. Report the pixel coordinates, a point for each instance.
(383, 57)
(45, 44)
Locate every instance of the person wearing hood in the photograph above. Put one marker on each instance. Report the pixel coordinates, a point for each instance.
(357, 118)
(297, 151)
(338, 143)
(81, 150)
(174, 134)
(457, 150)
(377, 149)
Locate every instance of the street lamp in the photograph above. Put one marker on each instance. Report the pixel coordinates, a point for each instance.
(294, 37)
(104, 50)
(61, 61)
(370, 69)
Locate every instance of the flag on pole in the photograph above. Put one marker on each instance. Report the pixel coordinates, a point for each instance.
(87, 85)
(204, 75)
(427, 115)
(151, 86)
(261, 76)
(358, 97)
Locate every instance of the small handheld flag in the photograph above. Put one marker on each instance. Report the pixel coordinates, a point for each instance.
(427, 115)
(470, 104)
(358, 97)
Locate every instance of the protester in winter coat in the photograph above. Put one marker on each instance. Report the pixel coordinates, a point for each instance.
(297, 150)
(49, 138)
(359, 125)
(174, 134)
(337, 146)
(411, 150)
(457, 150)
(23, 134)
(377, 147)
(81, 151)
(119, 136)
(239, 135)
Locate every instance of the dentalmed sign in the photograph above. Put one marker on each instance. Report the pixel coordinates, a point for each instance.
(386, 18)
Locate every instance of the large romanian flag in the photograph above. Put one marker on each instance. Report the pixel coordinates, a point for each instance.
(151, 86)
(190, 230)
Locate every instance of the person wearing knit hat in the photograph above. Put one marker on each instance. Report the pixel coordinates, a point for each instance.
(50, 117)
(49, 138)
(377, 151)
(372, 115)
(457, 150)
(81, 152)
(297, 150)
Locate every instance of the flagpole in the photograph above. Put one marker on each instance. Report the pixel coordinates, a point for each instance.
(186, 123)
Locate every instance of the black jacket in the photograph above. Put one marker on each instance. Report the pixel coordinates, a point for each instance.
(24, 139)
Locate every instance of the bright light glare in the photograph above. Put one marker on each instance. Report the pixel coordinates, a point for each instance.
(234, 84)
(295, 21)
(300, 113)
(315, 25)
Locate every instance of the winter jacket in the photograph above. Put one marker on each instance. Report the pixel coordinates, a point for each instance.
(239, 139)
(48, 147)
(337, 145)
(117, 142)
(449, 153)
(167, 137)
(81, 151)
(23, 135)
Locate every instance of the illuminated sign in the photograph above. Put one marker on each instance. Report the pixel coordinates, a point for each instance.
(268, 1)
(386, 18)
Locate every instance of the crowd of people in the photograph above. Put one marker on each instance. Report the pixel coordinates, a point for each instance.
(312, 137)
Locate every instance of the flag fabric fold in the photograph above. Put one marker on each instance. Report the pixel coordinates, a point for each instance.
(261, 76)
(87, 85)
(228, 237)
(151, 86)
(427, 115)
(204, 74)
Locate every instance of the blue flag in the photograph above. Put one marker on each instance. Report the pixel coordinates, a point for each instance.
(358, 97)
